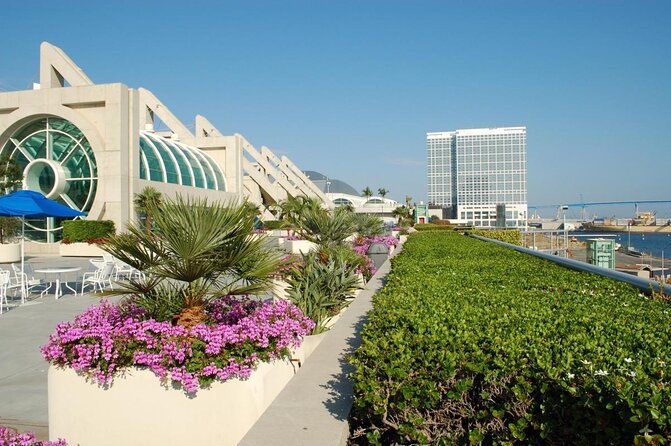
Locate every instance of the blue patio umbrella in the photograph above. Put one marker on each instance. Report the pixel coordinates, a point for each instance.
(31, 204)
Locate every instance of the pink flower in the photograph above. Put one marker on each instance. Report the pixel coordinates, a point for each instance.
(107, 338)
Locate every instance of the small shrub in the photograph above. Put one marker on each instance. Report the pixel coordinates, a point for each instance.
(89, 231)
(274, 224)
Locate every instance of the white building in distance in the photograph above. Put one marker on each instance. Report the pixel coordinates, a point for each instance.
(473, 172)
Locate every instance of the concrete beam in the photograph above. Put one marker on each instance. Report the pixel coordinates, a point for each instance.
(152, 103)
(56, 68)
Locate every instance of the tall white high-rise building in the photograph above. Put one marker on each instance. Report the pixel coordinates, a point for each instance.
(472, 172)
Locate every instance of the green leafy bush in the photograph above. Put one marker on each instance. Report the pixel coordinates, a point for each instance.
(505, 235)
(89, 231)
(473, 343)
(274, 224)
(433, 227)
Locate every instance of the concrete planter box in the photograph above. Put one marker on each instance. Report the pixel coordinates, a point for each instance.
(279, 233)
(309, 345)
(80, 250)
(137, 409)
(10, 253)
(299, 246)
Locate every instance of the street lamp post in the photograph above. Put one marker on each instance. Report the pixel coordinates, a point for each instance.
(564, 209)
(663, 248)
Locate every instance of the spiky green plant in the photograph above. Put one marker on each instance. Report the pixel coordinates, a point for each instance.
(327, 228)
(321, 288)
(292, 209)
(197, 251)
(367, 225)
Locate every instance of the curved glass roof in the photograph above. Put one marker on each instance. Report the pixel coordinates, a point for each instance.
(334, 186)
(169, 161)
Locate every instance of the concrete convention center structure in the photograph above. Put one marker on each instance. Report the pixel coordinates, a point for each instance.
(93, 147)
(472, 172)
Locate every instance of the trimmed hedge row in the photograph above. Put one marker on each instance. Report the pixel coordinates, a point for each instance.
(274, 224)
(89, 231)
(433, 227)
(473, 343)
(505, 235)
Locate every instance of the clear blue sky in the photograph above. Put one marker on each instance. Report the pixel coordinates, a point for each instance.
(350, 88)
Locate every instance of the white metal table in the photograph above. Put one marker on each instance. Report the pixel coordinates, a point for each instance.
(58, 271)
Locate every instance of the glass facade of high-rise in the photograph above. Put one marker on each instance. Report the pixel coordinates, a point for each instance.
(472, 171)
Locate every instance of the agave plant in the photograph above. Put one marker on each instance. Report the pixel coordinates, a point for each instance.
(197, 251)
(320, 287)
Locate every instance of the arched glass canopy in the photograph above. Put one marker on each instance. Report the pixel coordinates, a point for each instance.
(343, 202)
(57, 160)
(169, 161)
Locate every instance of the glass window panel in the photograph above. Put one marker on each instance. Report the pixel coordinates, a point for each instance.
(155, 170)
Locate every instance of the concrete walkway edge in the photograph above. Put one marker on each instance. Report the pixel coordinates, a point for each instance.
(313, 409)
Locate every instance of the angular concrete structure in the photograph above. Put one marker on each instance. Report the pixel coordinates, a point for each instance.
(94, 146)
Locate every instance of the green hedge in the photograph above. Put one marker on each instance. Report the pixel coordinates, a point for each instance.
(470, 342)
(433, 227)
(274, 224)
(89, 231)
(505, 235)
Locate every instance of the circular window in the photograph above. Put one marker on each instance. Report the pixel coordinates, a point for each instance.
(57, 160)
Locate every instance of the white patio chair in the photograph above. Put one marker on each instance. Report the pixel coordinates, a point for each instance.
(4, 283)
(29, 282)
(123, 270)
(102, 278)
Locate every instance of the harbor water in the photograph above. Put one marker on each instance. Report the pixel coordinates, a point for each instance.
(647, 243)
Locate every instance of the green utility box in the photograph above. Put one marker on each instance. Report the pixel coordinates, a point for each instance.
(601, 252)
(421, 213)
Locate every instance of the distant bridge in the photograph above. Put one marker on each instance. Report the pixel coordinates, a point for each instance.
(597, 203)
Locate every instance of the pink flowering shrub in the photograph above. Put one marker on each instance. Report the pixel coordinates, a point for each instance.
(10, 437)
(107, 338)
(361, 246)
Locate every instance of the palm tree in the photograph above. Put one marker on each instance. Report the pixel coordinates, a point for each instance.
(327, 229)
(382, 191)
(293, 208)
(367, 225)
(367, 192)
(11, 175)
(147, 200)
(11, 178)
(198, 251)
(408, 200)
(400, 213)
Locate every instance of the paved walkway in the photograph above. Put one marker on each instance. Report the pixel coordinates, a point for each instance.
(23, 372)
